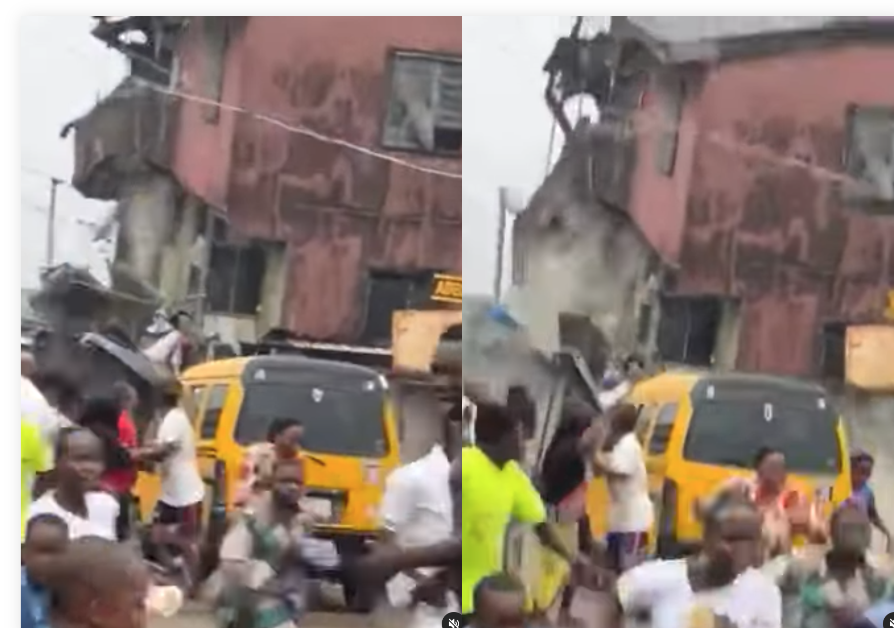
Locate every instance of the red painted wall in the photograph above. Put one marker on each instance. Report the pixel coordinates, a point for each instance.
(339, 211)
(743, 218)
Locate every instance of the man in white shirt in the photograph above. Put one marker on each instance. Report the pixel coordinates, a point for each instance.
(417, 511)
(182, 489)
(621, 460)
(720, 587)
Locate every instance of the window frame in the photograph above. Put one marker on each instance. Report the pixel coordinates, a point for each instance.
(874, 204)
(393, 57)
(210, 389)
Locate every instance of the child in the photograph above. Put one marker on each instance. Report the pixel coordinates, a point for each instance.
(499, 603)
(46, 539)
(862, 496)
(100, 584)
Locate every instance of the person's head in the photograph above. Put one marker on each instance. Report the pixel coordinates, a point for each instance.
(46, 539)
(287, 482)
(285, 434)
(624, 419)
(498, 432)
(80, 460)
(634, 366)
(101, 414)
(769, 463)
(850, 532)
(499, 602)
(180, 320)
(732, 543)
(169, 394)
(862, 467)
(126, 395)
(101, 584)
(577, 416)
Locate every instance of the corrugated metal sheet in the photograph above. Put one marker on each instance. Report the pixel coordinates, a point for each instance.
(416, 335)
(869, 363)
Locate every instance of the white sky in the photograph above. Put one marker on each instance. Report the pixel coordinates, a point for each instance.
(62, 72)
(503, 110)
(508, 126)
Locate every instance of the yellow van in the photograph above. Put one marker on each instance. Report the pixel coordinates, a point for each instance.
(350, 435)
(700, 429)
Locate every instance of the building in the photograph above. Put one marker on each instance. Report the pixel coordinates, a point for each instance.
(270, 210)
(756, 158)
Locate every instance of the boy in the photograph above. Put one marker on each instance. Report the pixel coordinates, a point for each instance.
(862, 496)
(100, 584)
(46, 539)
(499, 603)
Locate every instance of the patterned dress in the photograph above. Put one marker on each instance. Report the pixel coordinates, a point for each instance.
(813, 596)
(261, 582)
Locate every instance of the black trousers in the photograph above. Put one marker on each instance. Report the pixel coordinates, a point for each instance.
(124, 524)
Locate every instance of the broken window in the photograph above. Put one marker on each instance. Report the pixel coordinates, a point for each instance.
(870, 157)
(235, 278)
(687, 329)
(425, 104)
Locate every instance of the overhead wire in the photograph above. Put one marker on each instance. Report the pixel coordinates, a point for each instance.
(297, 129)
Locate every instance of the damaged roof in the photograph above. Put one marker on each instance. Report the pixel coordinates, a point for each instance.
(682, 39)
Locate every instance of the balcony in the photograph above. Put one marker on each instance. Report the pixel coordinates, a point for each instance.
(130, 131)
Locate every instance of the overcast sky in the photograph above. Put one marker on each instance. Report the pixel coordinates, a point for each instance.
(509, 125)
(62, 72)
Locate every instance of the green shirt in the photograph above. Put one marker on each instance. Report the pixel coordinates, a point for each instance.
(491, 498)
(36, 459)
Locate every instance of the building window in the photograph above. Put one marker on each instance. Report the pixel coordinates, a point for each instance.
(387, 293)
(425, 104)
(235, 278)
(687, 329)
(870, 157)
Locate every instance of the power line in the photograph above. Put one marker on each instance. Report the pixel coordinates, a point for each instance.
(299, 130)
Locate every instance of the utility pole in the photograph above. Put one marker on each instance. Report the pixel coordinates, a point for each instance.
(502, 226)
(51, 224)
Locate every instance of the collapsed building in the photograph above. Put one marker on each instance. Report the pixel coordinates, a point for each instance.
(728, 209)
(232, 203)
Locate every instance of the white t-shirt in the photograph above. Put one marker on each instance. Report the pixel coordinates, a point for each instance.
(102, 514)
(418, 509)
(662, 587)
(181, 484)
(630, 509)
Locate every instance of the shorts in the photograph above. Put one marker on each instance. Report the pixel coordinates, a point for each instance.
(626, 550)
(186, 518)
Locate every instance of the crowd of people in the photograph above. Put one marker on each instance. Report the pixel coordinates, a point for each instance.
(749, 571)
(85, 564)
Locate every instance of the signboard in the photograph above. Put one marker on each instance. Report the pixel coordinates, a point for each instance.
(447, 289)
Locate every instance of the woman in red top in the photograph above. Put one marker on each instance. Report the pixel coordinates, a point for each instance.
(110, 419)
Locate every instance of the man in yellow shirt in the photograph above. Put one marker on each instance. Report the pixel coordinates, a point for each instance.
(36, 458)
(495, 492)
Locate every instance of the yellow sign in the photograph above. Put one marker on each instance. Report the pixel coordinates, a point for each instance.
(889, 312)
(447, 289)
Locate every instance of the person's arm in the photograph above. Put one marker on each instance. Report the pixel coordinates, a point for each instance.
(396, 511)
(876, 519)
(620, 462)
(608, 399)
(528, 508)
